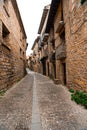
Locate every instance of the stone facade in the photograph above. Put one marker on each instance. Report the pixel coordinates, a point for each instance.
(66, 27)
(43, 42)
(34, 58)
(76, 39)
(60, 44)
(70, 44)
(12, 44)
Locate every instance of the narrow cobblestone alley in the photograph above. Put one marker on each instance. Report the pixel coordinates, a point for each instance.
(36, 103)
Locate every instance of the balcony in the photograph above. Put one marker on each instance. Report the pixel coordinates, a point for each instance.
(34, 53)
(60, 26)
(42, 43)
(61, 51)
(45, 37)
(52, 57)
(39, 48)
(39, 45)
(44, 54)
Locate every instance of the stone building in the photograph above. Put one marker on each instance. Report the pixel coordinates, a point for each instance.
(63, 33)
(43, 41)
(30, 62)
(76, 42)
(57, 42)
(12, 44)
(67, 28)
(35, 58)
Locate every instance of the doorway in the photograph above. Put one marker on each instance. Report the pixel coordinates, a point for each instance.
(54, 66)
(44, 66)
(64, 73)
(48, 68)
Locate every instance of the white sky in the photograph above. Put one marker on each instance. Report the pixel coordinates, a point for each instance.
(31, 12)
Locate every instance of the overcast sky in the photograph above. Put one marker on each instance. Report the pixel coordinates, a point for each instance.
(31, 12)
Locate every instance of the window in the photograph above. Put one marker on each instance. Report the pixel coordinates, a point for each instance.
(5, 31)
(62, 36)
(4, 1)
(5, 36)
(6, 8)
(21, 36)
(23, 54)
(20, 53)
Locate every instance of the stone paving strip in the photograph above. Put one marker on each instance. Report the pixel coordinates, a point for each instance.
(36, 123)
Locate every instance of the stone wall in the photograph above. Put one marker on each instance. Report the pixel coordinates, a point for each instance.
(75, 23)
(76, 38)
(12, 46)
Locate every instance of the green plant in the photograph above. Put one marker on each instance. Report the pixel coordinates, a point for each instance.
(79, 97)
(71, 90)
(2, 92)
(85, 106)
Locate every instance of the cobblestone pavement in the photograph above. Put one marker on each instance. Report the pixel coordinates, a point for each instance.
(36, 94)
(57, 110)
(16, 106)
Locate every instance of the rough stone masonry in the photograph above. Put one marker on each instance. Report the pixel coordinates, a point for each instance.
(12, 44)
